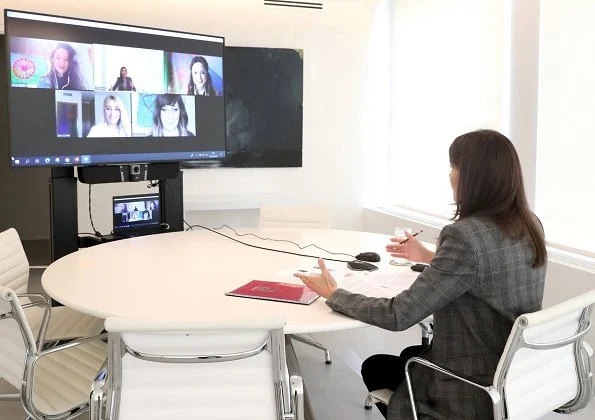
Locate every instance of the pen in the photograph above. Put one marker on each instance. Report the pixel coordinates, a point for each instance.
(414, 235)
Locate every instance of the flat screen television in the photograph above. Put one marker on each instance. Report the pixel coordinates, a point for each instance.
(84, 92)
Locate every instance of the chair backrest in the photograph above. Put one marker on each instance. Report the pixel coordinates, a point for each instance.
(162, 370)
(16, 338)
(294, 216)
(14, 266)
(545, 364)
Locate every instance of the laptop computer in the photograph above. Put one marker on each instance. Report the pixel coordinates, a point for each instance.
(136, 215)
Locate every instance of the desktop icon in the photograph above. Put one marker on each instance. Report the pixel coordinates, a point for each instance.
(17, 161)
(67, 160)
(77, 159)
(86, 158)
(27, 161)
(57, 160)
(36, 160)
(47, 160)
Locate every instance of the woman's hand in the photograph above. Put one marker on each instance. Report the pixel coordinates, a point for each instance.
(324, 284)
(411, 250)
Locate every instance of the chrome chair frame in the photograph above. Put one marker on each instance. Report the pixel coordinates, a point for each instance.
(34, 352)
(497, 393)
(311, 342)
(288, 383)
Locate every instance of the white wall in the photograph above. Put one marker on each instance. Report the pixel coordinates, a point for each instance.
(334, 41)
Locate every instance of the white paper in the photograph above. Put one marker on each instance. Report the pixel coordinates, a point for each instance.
(378, 283)
(382, 283)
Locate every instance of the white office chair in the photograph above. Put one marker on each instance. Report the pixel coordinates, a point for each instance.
(546, 366)
(65, 323)
(54, 383)
(313, 217)
(195, 370)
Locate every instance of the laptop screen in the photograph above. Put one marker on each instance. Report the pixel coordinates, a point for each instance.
(136, 212)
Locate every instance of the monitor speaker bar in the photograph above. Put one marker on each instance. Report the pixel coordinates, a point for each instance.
(128, 173)
(296, 3)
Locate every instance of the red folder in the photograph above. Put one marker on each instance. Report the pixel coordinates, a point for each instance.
(270, 290)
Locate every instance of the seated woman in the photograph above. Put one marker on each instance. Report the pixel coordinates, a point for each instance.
(170, 118)
(489, 267)
(115, 120)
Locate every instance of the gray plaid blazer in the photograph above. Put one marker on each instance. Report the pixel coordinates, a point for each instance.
(476, 286)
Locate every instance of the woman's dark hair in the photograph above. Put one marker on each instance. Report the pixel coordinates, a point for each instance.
(209, 89)
(75, 80)
(120, 79)
(491, 185)
(172, 100)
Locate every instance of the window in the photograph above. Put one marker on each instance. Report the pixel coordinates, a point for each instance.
(447, 78)
(565, 178)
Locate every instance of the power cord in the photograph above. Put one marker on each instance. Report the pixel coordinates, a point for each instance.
(97, 233)
(283, 240)
(272, 249)
(190, 227)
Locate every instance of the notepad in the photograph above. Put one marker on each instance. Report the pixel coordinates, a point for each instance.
(281, 292)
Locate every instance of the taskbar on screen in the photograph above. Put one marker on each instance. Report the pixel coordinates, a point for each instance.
(84, 160)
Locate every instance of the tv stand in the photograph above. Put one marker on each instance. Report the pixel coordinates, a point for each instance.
(64, 237)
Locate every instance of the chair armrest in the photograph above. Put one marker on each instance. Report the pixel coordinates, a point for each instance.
(47, 313)
(451, 373)
(489, 389)
(73, 343)
(41, 299)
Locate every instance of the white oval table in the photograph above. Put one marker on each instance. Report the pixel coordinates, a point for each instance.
(184, 275)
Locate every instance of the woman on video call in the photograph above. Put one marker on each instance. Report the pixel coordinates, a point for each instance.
(200, 82)
(115, 120)
(64, 72)
(123, 82)
(170, 118)
(489, 267)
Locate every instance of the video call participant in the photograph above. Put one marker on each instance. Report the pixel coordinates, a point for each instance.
(123, 82)
(124, 213)
(64, 72)
(115, 120)
(146, 215)
(170, 118)
(200, 82)
(489, 267)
